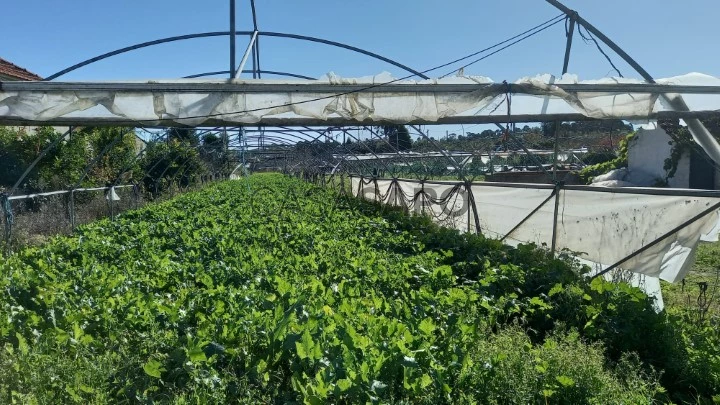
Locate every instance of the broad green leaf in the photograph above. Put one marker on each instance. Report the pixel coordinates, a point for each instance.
(427, 326)
(196, 354)
(305, 346)
(61, 336)
(344, 384)
(153, 368)
(77, 331)
(206, 280)
(73, 394)
(557, 288)
(425, 381)
(22, 344)
(565, 381)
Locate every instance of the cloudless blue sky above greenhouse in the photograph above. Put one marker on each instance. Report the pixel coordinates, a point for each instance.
(666, 37)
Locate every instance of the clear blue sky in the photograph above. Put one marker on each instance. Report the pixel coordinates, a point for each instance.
(667, 37)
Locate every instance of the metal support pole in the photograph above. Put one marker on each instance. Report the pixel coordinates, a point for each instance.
(473, 206)
(257, 57)
(232, 38)
(254, 62)
(558, 189)
(256, 46)
(9, 218)
(248, 51)
(571, 31)
(556, 124)
(111, 203)
(71, 209)
(468, 193)
(136, 195)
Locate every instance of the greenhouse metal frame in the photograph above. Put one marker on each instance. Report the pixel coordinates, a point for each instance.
(303, 115)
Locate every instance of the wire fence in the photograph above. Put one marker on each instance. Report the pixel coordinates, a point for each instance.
(31, 219)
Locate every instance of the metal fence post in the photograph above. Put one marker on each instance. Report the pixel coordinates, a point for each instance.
(71, 209)
(9, 218)
(558, 188)
(136, 195)
(111, 202)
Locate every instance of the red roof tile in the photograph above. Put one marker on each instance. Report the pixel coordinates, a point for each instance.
(15, 71)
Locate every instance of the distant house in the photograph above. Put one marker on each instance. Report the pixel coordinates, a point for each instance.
(12, 72)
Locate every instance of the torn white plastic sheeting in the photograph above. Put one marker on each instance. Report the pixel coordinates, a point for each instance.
(601, 226)
(112, 195)
(195, 107)
(373, 99)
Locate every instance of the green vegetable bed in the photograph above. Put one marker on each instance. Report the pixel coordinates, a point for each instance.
(269, 290)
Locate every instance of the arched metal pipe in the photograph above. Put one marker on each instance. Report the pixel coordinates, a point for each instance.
(140, 46)
(344, 46)
(227, 33)
(270, 72)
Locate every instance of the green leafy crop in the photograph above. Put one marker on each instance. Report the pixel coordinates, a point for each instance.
(271, 290)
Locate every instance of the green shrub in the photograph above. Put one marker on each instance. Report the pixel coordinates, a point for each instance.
(589, 172)
(510, 369)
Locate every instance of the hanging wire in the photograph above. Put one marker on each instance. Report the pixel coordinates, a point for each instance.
(533, 33)
(591, 38)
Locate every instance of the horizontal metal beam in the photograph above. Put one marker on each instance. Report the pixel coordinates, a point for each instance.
(613, 190)
(254, 86)
(337, 121)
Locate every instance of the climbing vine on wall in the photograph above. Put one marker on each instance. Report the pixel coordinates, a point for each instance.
(591, 171)
(682, 141)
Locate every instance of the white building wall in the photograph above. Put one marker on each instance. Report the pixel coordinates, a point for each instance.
(646, 159)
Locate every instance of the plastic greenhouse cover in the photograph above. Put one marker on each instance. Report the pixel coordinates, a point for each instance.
(602, 227)
(373, 99)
